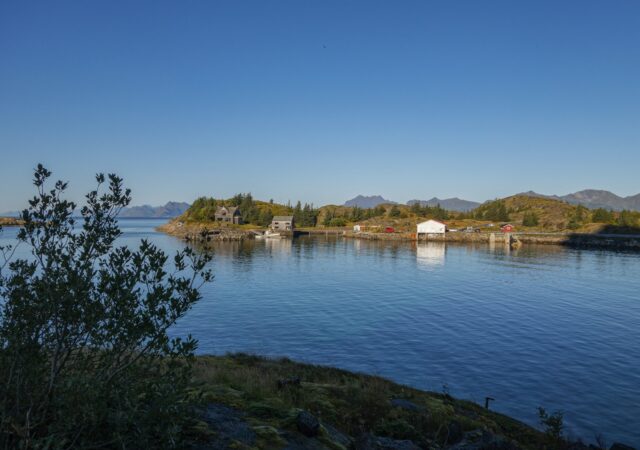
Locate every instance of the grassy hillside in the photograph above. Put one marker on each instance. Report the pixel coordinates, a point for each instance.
(557, 215)
(252, 402)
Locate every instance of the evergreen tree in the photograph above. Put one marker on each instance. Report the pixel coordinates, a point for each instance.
(530, 219)
(394, 211)
(601, 215)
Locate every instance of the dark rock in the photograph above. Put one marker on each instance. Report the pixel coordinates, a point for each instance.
(619, 446)
(229, 425)
(455, 432)
(296, 441)
(371, 442)
(337, 436)
(405, 404)
(579, 445)
(484, 440)
(295, 381)
(307, 424)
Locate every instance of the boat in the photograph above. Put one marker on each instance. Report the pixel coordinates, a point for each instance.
(268, 235)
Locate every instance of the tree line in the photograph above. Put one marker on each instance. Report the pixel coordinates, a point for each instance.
(253, 212)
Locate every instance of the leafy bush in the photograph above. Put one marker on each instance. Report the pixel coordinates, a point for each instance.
(553, 423)
(530, 219)
(337, 222)
(628, 219)
(85, 358)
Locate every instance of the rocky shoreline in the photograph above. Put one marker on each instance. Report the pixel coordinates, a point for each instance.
(203, 232)
(603, 241)
(10, 222)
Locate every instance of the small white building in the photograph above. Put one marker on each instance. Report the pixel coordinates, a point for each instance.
(431, 227)
(356, 228)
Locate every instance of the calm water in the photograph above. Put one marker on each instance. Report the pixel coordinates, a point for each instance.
(542, 326)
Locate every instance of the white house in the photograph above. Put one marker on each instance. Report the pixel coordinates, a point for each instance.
(357, 228)
(432, 227)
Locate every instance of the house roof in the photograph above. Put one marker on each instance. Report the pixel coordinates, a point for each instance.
(282, 219)
(230, 209)
(431, 220)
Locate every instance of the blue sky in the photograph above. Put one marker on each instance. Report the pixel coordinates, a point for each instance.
(320, 101)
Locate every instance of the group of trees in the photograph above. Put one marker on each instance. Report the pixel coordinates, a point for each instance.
(252, 211)
(203, 209)
(530, 219)
(305, 216)
(624, 218)
(334, 217)
(630, 219)
(433, 212)
(358, 214)
(493, 210)
(601, 215)
(577, 217)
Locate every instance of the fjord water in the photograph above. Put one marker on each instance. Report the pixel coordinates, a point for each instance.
(541, 326)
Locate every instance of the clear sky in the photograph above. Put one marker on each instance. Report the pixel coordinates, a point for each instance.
(321, 100)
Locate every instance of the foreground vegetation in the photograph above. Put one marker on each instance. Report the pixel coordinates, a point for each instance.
(283, 404)
(85, 358)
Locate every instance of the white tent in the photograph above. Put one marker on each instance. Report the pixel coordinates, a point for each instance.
(431, 227)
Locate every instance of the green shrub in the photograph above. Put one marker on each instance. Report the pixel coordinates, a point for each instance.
(553, 423)
(337, 222)
(85, 359)
(530, 219)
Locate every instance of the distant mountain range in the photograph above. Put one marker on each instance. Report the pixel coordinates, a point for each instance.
(168, 211)
(372, 201)
(450, 204)
(593, 198)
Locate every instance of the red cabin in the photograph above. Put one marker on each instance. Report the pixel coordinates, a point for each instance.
(389, 230)
(508, 228)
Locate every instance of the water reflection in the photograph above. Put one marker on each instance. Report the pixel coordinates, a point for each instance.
(429, 254)
(280, 247)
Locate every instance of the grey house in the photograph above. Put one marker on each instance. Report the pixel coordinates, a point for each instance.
(282, 223)
(230, 214)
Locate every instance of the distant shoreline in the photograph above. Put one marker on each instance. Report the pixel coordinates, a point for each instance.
(10, 222)
(203, 232)
(582, 240)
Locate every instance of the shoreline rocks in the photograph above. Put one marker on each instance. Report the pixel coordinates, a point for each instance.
(204, 232)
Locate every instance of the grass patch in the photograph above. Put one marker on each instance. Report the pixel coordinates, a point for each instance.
(352, 403)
